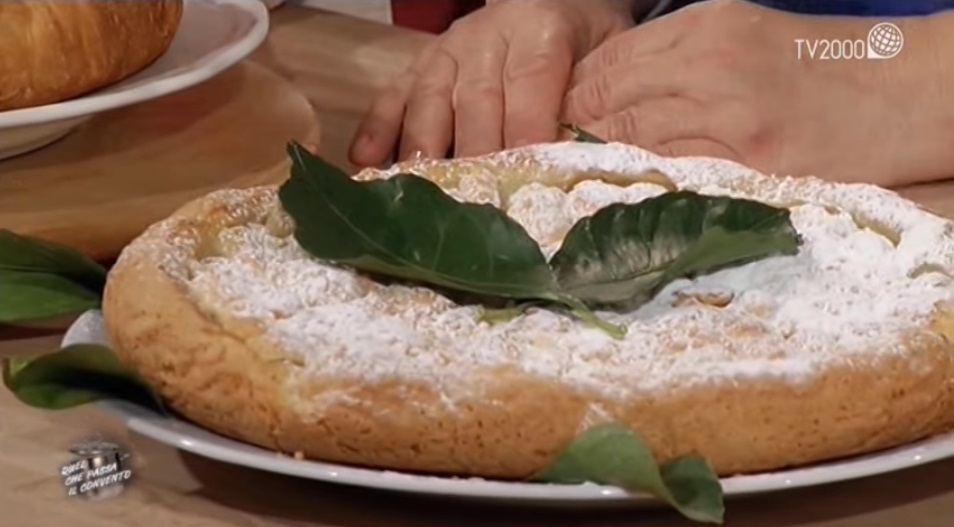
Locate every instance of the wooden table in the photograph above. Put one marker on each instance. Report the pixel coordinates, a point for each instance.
(340, 63)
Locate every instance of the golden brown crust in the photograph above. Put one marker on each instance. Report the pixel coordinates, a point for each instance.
(225, 374)
(55, 50)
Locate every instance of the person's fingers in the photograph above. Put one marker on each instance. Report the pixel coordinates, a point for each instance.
(378, 131)
(479, 99)
(429, 116)
(696, 147)
(654, 37)
(535, 78)
(654, 122)
(616, 89)
(377, 134)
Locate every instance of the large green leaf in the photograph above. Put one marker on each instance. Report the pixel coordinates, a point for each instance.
(627, 252)
(406, 227)
(73, 376)
(40, 280)
(22, 254)
(30, 296)
(615, 455)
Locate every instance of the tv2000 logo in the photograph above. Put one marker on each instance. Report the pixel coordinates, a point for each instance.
(884, 41)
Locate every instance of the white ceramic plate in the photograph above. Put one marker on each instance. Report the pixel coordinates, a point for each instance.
(185, 436)
(214, 35)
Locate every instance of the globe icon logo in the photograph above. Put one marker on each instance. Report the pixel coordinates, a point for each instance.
(884, 41)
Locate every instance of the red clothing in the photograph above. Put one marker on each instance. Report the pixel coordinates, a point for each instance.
(432, 16)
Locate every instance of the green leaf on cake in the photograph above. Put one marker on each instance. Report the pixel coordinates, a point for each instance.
(75, 375)
(627, 253)
(614, 455)
(40, 280)
(406, 227)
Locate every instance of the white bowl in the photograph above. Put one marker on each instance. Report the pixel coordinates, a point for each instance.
(214, 35)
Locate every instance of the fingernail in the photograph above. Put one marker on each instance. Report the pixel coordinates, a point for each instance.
(364, 142)
(413, 153)
(360, 148)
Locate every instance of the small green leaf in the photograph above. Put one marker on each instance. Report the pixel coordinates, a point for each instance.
(33, 296)
(627, 252)
(40, 280)
(406, 227)
(73, 376)
(22, 254)
(580, 135)
(615, 455)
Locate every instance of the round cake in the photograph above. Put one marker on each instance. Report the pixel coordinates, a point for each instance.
(55, 50)
(840, 349)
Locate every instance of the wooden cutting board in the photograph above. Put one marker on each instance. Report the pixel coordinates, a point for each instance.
(100, 186)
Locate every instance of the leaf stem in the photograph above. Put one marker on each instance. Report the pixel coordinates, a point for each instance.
(506, 314)
(586, 315)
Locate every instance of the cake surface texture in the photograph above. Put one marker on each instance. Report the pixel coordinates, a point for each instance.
(838, 350)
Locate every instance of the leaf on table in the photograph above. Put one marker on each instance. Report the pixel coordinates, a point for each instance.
(40, 280)
(75, 375)
(406, 227)
(612, 454)
(23, 254)
(628, 252)
(30, 296)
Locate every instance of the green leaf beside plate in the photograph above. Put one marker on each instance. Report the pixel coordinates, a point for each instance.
(613, 454)
(29, 296)
(41, 280)
(24, 254)
(74, 376)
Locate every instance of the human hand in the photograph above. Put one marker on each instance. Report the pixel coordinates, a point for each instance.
(724, 79)
(495, 79)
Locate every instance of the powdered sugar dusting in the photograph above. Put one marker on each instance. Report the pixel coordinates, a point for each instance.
(849, 292)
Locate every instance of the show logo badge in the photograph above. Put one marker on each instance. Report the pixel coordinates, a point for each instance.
(885, 40)
(98, 470)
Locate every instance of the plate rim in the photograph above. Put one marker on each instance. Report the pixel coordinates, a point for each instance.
(192, 438)
(97, 102)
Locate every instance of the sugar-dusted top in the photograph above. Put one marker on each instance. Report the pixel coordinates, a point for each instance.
(871, 269)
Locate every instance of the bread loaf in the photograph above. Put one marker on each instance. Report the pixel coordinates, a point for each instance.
(54, 50)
